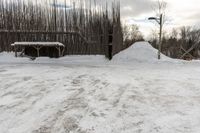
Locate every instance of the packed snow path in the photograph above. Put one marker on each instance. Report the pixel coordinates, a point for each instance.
(137, 96)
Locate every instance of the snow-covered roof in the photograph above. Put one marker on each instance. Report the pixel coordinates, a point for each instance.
(38, 44)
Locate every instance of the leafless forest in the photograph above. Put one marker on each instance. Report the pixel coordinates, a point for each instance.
(181, 43)
(81, 28)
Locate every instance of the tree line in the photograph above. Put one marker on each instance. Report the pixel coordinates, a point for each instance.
(178, 41)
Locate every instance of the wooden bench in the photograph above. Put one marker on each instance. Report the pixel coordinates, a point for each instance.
(38, 45)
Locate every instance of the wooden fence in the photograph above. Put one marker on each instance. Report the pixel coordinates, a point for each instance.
(81, 30)
(73, 41)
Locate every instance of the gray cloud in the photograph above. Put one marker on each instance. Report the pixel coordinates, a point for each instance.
(134, 8)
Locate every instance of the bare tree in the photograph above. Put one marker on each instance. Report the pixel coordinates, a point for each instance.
(131, 34)
(160, 8)
(174, 33)
(184, 32)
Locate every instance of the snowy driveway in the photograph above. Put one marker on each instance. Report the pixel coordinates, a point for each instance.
(139, 98)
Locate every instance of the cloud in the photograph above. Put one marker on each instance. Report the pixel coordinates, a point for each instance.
(134, 8)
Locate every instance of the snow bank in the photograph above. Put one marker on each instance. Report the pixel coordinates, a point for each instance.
(6, 57)
(140, 52)
(73, 59)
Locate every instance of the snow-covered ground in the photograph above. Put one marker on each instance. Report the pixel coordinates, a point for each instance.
(134, 93)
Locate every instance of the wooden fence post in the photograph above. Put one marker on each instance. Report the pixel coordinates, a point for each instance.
(15, 51)
(110, 49)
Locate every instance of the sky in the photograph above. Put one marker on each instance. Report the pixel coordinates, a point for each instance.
(178, 13)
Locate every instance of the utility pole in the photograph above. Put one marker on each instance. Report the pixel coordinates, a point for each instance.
(160, 37)
(160, 22)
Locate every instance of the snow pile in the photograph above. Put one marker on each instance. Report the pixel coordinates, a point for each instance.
(140, 52)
